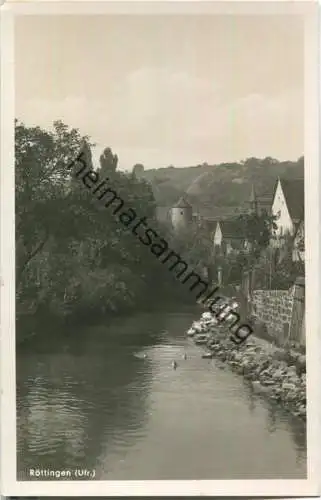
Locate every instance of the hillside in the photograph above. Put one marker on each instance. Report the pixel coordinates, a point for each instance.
(226, 184)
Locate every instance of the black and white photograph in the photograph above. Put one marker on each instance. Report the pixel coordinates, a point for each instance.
(159, 237)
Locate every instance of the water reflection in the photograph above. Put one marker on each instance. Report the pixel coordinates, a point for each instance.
(110, 400)
(69, 402)
(271, 419)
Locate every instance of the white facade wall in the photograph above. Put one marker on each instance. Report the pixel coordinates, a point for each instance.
(181, 217)
(218, 235)
(279, 208)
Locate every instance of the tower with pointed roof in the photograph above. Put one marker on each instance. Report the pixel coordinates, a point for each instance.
(253, 201)
(181, 214)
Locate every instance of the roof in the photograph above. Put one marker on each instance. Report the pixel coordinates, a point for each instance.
(210, 225)
(213, 213)
(232, 228)
(265, 203)
(266, 199)
(293, 191)
(182, 203)
(261, 195)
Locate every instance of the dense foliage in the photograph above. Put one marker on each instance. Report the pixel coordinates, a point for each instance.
(267, 266)
(73, 258)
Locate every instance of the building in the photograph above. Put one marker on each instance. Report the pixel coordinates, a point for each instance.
(139, 171)
(163, 214)
(229, 236)
(181, 214)
(260, 203)
(285, 200)
(288, 208)
(253, 201)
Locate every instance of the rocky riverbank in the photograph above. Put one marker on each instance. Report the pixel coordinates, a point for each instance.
(278, 374)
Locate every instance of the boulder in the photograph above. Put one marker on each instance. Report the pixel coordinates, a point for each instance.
(290, 396)
(207, 355)
(291, 370)
(206, 315)
(259, 388)
(267, 382)
(278, 374)
(286, 386)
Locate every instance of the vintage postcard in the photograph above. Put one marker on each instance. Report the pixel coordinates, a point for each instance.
(159, 249)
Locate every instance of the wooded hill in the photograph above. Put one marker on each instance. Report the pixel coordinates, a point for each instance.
(226, 184)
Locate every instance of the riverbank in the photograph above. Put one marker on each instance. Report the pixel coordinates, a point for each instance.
(276, 373)
(114, 386)
(43, 326)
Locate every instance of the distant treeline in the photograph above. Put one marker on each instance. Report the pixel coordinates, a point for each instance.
(225, 184)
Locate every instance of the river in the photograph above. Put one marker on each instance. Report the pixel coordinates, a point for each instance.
(109, 400)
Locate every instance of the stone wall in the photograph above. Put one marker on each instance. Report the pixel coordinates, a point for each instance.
(281, 311)
(274, 309)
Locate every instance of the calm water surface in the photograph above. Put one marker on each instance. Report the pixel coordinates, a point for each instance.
(100, 403)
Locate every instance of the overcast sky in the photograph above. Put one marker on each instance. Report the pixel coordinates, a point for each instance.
(163, 90)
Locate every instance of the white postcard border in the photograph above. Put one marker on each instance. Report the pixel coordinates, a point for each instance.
(9, 485)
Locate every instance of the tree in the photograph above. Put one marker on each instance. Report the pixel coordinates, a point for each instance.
(257, 230)
(195, 246)
(268, 162)
(285, 270)
(138, 170)
(42, 179)
(74, 257)
(108, 161)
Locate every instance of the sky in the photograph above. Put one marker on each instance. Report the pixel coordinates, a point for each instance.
(166, 90)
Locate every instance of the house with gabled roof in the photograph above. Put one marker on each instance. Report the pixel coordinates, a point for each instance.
(288, 206)
(229, 235)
